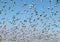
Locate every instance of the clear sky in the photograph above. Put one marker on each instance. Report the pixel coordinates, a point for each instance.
(22, 8)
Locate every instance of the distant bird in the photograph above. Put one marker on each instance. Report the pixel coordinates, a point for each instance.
(24, 4)
(57, 1)
(0, 11)
(32, 5)
(25, 11)
(18, 12)
(0, 38)
(50, 1)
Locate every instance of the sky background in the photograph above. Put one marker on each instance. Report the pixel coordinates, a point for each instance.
(41, 5)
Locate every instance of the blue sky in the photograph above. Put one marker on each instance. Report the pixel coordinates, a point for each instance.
(41, 6)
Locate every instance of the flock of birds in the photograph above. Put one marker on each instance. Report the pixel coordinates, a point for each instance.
(30, 23)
